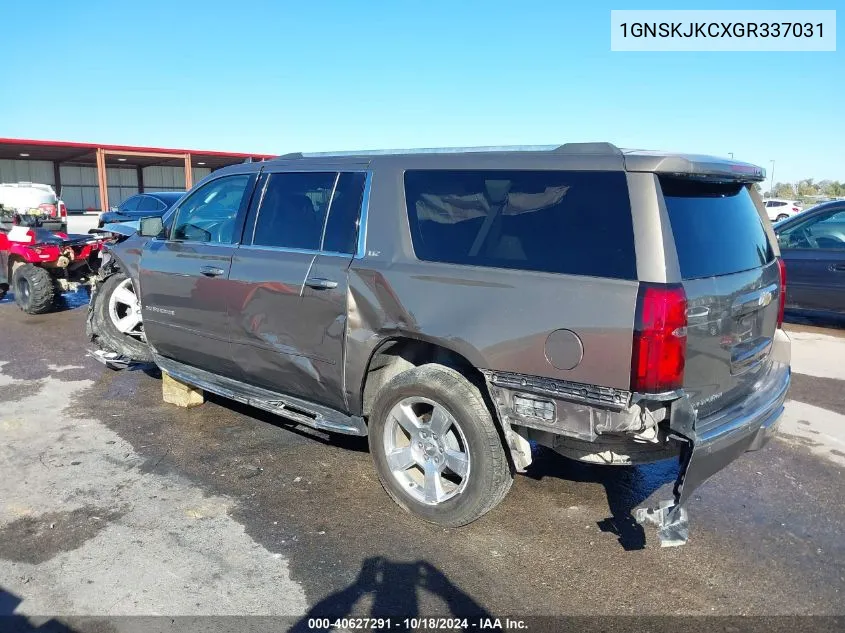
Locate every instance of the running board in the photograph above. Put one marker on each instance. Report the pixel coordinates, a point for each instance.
(296, 409)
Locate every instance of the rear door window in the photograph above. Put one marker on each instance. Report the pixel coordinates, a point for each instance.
(341, 235)
(716, 226)
(572, 222)
(293, 208)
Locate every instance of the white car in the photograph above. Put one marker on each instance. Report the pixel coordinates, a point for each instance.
(780, 209)
(30, 198)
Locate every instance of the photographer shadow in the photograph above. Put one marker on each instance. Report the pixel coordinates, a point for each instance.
(394, 590)
(11, 623)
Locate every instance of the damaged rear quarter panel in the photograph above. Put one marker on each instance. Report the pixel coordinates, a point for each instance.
(497, 319)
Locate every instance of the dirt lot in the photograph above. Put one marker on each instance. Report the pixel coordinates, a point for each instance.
(112, 503)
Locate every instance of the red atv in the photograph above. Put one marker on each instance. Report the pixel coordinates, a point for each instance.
(38, 264)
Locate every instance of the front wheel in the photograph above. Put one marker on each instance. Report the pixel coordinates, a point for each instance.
(34, 292)
(436, 449)
(116, 324)
(782, 216)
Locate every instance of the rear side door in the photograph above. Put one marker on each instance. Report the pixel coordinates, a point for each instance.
(814, 252)
(732, 283)
(289, 323)
(184, 282)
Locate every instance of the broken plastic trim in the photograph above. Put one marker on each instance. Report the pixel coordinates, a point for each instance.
(707, 447)
(670, 516)
(118, 362)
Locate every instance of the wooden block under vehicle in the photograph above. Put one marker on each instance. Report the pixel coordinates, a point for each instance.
(180, 394)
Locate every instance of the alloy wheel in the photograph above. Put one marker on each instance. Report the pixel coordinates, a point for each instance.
(426, 450)
(125, 309)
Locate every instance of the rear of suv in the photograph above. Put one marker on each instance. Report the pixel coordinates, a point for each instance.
(619, 307)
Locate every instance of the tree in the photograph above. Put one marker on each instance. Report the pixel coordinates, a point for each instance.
(783, 190)
(806, 188)
(834, 189)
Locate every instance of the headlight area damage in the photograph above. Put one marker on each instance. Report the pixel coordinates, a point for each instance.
(614, 427)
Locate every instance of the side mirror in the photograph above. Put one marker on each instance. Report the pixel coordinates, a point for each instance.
(151, 227)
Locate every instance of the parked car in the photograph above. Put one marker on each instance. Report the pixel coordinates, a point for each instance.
(813, 247)
(455, 306)
(145, 204)
(778, 209)
(38, 202)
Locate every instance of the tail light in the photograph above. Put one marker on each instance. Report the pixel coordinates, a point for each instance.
(796, 209)
(660, 339)
(50, 209)
(62, 209)
(782, 297)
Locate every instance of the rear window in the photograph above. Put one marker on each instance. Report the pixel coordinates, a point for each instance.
(716, 226)
(550, 221)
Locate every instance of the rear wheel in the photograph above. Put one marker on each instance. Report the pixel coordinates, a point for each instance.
(436, 449)
(117, 324)
(34, 292)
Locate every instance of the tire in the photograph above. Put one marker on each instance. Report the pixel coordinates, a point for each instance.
(472, 434)
(782, 216)
(33, 286)
(105, 332)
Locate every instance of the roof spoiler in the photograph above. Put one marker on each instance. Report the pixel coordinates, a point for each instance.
(693, 165)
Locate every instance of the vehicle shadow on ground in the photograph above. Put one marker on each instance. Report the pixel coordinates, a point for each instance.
(10, 623)
(346, 442)
(815, 320)
(393, 590)
(626, 488)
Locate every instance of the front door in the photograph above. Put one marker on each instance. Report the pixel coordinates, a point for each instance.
(185, 286)
(289, 325)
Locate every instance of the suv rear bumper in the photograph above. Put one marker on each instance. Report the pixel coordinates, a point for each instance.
(720, 439)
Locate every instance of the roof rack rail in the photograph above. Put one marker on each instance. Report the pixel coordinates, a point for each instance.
(568, 148)
(589, 148)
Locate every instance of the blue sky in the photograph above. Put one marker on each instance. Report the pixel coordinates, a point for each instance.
(283, 76)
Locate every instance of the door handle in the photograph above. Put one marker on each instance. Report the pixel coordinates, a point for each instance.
(212, 271)
(837, 268)
(320, 283)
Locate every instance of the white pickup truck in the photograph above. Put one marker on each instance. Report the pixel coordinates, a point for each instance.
(33, 199)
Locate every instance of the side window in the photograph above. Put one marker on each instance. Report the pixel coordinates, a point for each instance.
(209, 214)
(341, 234)
(826, 231)
(148, 204)
(292, 209)
(130, 204)
(576, 223)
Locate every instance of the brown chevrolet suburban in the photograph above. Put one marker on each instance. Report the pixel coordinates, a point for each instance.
(617, 306)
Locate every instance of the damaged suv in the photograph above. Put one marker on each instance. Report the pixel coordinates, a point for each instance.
(619, 307)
